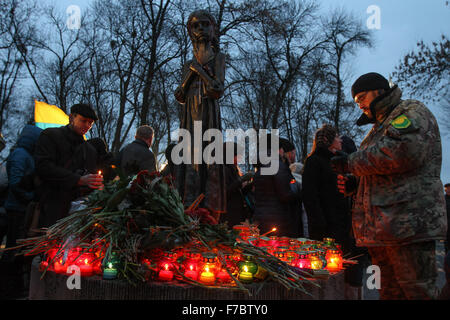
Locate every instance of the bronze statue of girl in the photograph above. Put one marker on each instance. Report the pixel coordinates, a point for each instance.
(202, 85)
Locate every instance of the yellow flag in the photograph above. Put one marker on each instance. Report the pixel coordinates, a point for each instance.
(49, 116)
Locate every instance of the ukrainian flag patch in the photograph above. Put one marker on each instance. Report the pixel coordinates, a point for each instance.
(401, 122)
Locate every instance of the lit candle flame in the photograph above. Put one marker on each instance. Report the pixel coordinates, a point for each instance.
(245, 269)
(166, 266)
(100, 172)
(273, 230)
(191, 267)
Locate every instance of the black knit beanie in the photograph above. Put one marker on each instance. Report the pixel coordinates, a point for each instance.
(369, 81)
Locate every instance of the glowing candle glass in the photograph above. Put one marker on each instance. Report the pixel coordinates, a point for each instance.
(223, 276)
(84, 262)
(166, 273)
(245, 276)
(191, 273)
(334, 260)
(302, 261)
(207, 277)
(315, 262)
(210, 262)
(328, 241)
(59, 266)
(249, 264)
(110, 270)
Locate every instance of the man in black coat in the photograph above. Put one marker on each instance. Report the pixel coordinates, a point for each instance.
(65, 164)
(275, 200)
(137, 156)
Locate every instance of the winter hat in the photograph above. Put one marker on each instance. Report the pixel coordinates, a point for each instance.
(325, 136)
(369, 81)
(348, 145)
(85, 110)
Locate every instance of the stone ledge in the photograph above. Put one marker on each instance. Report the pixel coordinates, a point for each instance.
(53, 287)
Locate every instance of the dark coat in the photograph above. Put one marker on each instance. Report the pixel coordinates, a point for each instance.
(136, 157)
(62, 157)
(276, 204)
(236, 212)
(327, 210)
(20, 163)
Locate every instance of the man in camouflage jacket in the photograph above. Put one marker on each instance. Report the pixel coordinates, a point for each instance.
(399, 208)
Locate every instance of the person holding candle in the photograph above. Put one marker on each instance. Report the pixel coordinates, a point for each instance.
(66, 165)
(399, 208)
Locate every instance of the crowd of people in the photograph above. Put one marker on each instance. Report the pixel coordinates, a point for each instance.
(383, 202)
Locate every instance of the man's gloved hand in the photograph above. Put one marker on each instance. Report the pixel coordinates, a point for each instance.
(339, 163)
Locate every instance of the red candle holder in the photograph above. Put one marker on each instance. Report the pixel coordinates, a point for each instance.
(167, 266)
(59, 266)
(190, 265)
(166, 272)
(223, 276)
(273, 242)
(85, 263)
(302, 261)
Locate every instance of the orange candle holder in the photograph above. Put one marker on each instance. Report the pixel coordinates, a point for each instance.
(334, 260)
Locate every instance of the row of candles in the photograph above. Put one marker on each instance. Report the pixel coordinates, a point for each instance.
(89, 263)
(206, 267)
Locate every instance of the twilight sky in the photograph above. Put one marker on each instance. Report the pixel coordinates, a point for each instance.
(402, 24)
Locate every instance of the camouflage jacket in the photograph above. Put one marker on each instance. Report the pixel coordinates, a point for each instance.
(400, 197)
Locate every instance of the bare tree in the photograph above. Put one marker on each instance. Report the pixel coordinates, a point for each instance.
(344, 34)
(12, 17)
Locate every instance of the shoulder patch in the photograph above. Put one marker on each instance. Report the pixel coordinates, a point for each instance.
(401, 122)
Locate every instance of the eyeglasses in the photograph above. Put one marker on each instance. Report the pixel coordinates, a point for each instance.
(360, 96)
